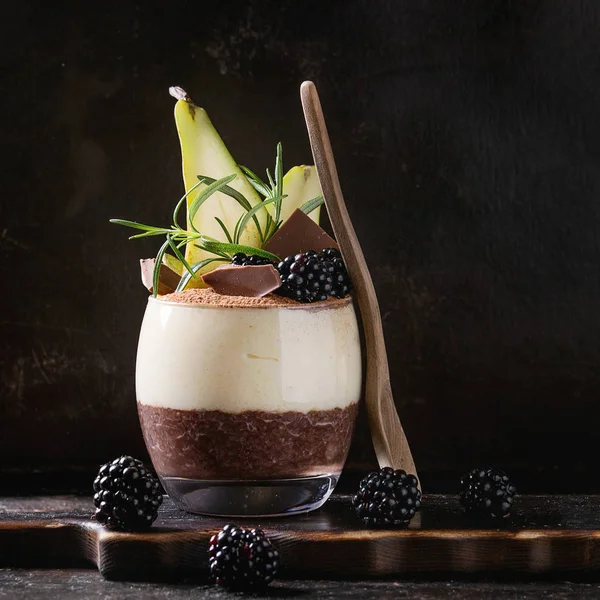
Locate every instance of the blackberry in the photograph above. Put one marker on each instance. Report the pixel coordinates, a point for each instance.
(487, 492)
(126, 495)
(243, 260)
(311, 276)
(341, 281)
(242, 558)
(304, 278)
(387, 497)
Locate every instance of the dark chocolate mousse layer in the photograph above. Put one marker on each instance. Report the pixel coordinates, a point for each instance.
(211, 444)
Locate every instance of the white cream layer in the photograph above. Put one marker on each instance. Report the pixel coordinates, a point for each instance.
(238, 359)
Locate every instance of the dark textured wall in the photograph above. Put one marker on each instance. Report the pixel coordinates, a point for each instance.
(467, 135)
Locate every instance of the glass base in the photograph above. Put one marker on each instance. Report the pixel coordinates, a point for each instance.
(273, 497)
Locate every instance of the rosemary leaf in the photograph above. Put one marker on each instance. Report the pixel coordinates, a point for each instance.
(206, 193)
(179, 255)
(136, 225)
(278, 187)
(225, 231)
(222, 255)
(157, 263)
(237, 228)
(271, 182)
(180, 203)
(226, 189)
(279, 169)
(230, 249)
(256, 182)
(268, 226)
(137, 236)
(310, 205)
(250, 214)
(241, 200)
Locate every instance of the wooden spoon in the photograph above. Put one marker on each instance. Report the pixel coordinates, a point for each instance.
(389, 440)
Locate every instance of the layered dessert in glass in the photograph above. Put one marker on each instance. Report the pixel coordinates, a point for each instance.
(248, 372)
(254, 412)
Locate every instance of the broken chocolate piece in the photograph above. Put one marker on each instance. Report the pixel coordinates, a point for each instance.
(167, 279)
(299, 233)
(253, 281)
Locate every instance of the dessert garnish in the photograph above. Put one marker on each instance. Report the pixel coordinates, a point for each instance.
(229, 209)
(299, 234)
(313, 276)
(243, 260)
(487, 492)
(168, 280)
(126, 495)
(387, 498)
(242, 559)
(252, 281)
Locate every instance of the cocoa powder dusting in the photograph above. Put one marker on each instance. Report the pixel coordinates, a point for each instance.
(210, 297)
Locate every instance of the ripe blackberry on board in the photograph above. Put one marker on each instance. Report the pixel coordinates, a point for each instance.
(126, 495)
(487, 492)
(387, 498)
(242, 559)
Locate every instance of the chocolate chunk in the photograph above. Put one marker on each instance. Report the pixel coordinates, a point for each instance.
(253, 281)
(167, 279)
(299, 233)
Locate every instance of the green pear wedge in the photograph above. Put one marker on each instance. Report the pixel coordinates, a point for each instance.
(301, 184)
(203, 152)
(173, 263)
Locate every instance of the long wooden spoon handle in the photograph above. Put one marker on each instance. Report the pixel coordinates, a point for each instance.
(389, 440)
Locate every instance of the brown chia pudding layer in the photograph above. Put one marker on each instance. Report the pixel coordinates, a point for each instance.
(251, 445)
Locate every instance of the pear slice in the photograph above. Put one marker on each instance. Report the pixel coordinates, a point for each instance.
(173, 263)
(301, 184)
(203, 152)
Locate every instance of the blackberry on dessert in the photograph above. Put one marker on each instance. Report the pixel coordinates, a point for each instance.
(243, 260)
(487, 492)
(126, 495)
(313, 276)
(242, 559)
(341, 286)
(387, 498)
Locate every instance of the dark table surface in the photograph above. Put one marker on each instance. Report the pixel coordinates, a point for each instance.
(69, 584)
(577, 512)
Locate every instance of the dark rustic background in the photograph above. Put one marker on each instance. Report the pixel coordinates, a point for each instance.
(467, 135)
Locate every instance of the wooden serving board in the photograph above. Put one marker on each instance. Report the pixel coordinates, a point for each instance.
(547, 535)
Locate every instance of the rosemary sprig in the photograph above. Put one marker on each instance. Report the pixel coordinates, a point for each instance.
(272, 191)
(177, 237)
